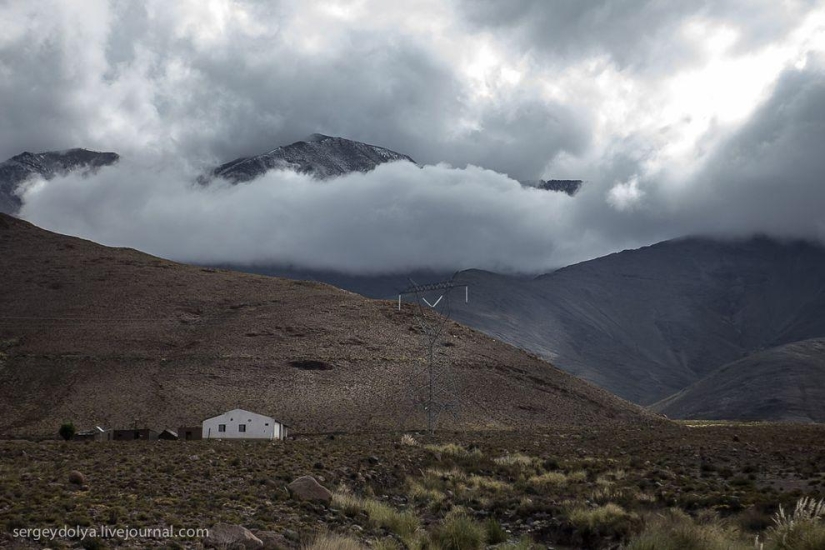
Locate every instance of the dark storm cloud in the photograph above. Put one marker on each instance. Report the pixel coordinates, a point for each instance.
(571, 89)
(766, 178)
(643, 35)
(138, 76)
(770, 176)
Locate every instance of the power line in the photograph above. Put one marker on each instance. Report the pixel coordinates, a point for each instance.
(433, 387)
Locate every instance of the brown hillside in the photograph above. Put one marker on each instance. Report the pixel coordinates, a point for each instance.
(116, 337)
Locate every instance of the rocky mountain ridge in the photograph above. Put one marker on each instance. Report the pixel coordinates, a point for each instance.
(21, 168)
(318, 155)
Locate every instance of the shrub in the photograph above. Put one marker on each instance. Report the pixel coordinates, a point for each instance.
(610, 521)
(420, 493)
(77, 478)
(487, 484)
(458, 532)
(350, 504)
(402, 523)
(753, 520)
(677, 531)
(328, 541)
(551, 463)
(67, 431)
(495, 533)
(623, 496)
(386, 544)
(409, 440)
(801, 529)
(548, 479)
(451, 449)
(515, 459)
(523, 544)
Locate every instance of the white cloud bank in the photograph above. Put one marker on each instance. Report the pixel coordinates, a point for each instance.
(396, 218)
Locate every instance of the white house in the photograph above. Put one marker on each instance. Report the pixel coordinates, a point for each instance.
(241, 424)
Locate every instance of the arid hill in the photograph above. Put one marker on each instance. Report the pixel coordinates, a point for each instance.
(782, 383)
(118, 338)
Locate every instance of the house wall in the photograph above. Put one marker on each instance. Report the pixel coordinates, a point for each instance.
(258, 426)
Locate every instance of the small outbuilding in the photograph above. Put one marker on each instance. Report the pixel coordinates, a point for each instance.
(241, 424)
(168, 435)
(95, 434)
(190, 433)
(132, 435)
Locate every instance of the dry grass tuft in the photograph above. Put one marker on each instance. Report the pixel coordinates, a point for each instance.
(802, 529)
(329, 541)
(402, 523)
(454, 450)
(458, 532)
(547, 479)
(514, 459)
(608, 522)
(675, 530)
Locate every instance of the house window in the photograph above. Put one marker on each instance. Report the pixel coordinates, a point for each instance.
(241, 427)
(221, 427)
(267, 424)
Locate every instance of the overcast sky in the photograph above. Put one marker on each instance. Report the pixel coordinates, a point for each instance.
(701, 117)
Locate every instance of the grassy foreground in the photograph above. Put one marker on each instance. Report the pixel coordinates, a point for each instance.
(675, 487)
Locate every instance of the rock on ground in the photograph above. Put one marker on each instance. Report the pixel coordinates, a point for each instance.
(224, 535)
(308, 488)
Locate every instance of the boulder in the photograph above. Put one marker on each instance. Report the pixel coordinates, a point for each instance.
(308, 488)
(225, 535)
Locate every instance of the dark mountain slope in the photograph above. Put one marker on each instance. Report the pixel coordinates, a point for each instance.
(115, 337)
(20, 168)
(782, 383)
(647, 323)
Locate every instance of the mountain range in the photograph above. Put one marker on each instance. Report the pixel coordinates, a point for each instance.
(686, 326)
(318, 155)
(651, 322)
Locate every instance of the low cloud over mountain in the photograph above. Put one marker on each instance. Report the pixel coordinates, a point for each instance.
(399, 217)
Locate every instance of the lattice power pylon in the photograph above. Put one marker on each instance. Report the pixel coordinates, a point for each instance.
(433, 386)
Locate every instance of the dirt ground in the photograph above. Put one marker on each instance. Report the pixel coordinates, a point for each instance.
(533, 485)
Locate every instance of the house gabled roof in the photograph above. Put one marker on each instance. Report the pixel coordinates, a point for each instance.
(241, 412)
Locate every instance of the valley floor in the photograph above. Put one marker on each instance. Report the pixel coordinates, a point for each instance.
(617, 488)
